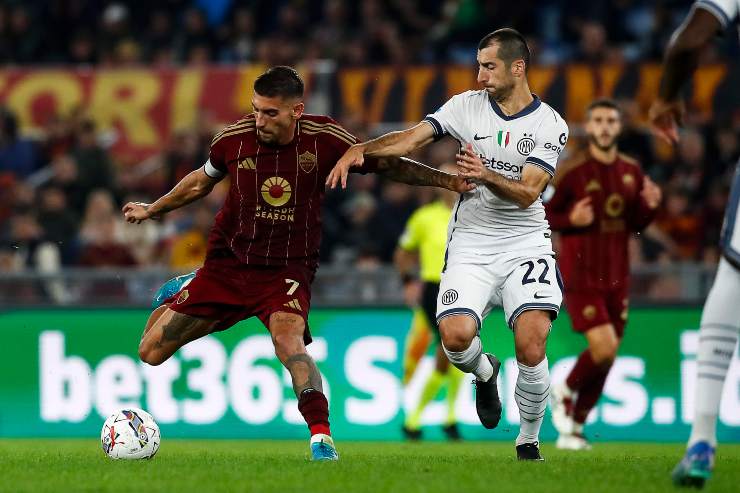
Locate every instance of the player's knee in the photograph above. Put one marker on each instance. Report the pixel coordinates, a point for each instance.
(530, 355)
(605, 353)
(150, 356)
(455, 340)
(456, 336)
(287, 344)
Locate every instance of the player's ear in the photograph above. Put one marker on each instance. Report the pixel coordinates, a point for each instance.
(298, 109)
(518, 68)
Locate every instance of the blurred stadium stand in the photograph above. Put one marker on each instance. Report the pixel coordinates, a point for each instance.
(123, 105)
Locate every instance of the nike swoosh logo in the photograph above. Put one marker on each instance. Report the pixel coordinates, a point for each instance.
(475, 137)
(538, 297)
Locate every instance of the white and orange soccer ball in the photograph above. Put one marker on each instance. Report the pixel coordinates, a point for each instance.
(130, 433)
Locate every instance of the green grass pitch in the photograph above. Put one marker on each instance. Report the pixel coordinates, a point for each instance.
(282, 466)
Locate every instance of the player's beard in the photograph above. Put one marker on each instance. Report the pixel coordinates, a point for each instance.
(264, 137)
(500, 94)
(605, 147)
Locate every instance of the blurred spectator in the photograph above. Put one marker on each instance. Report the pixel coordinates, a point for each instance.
(102, 249)
(195, 39)
(114, 32)
(158, 39)
(25, 38)
(188, 249)
(82, 48)
(359, 237)
(18, 155)
(93, 164)
(66, 175)
(240, 43)
(681, 224)
(100, 208)
(59, 222)
(397, 203)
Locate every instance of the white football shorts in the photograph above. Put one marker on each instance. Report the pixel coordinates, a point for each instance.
(517, 281)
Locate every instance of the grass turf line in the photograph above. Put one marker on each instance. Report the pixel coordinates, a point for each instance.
(283, 466)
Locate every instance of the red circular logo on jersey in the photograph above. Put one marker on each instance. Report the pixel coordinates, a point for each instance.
(276, 191)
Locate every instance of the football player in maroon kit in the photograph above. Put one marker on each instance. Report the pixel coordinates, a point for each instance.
(263, 248)
(601, 197)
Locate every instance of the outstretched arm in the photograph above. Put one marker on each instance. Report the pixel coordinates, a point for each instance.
(412, 172)
(681, 60)
(195, 185)
(522, 192)
(393, 144)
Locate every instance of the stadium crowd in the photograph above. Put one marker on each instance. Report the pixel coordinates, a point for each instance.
(365, 32)
(61, 190)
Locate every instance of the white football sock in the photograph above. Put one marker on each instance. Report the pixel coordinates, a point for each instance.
(531, 393)
(718, 336)
(472, 360)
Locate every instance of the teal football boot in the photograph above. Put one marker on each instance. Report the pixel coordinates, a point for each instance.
(171, 288)
(322, 448)
(696, 466)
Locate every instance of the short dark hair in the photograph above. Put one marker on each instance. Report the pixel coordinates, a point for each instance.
(512, 45)
(603, 103)
(280, 81)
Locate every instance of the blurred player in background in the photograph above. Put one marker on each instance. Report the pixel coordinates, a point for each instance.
(720, 321)
(601, 197)
(423, 242)
(499, 251)
(264, 246)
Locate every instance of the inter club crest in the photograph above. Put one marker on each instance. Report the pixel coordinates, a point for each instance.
(276, 191)
(525, 145)
(307, 161)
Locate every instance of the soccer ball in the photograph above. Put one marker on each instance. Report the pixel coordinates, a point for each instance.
(130, 433)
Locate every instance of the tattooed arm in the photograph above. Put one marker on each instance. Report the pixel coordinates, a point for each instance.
(195, 185)
(392, 144)
(405, 170)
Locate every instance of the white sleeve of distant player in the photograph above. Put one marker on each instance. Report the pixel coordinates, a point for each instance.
(726, 11)
(548, 144)
(447, 120)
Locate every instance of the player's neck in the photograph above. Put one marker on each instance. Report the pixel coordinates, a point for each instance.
(607, 156)
(289, 135)
(285, 138)
(519, 99)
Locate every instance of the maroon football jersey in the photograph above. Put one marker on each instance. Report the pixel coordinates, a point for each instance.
(272, 214)
(596, 257)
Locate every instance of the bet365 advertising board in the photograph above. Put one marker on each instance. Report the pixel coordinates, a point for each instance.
(63, 371)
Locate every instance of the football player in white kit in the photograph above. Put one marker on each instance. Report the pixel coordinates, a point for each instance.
(720, 320)
(499, 251)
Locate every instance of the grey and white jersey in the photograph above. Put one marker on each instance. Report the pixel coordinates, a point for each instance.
(483, 222)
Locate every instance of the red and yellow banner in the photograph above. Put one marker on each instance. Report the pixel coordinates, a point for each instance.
(145, 106)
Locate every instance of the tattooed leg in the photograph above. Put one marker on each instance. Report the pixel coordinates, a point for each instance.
(170, 332)
(287, 336)
(304, 372)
